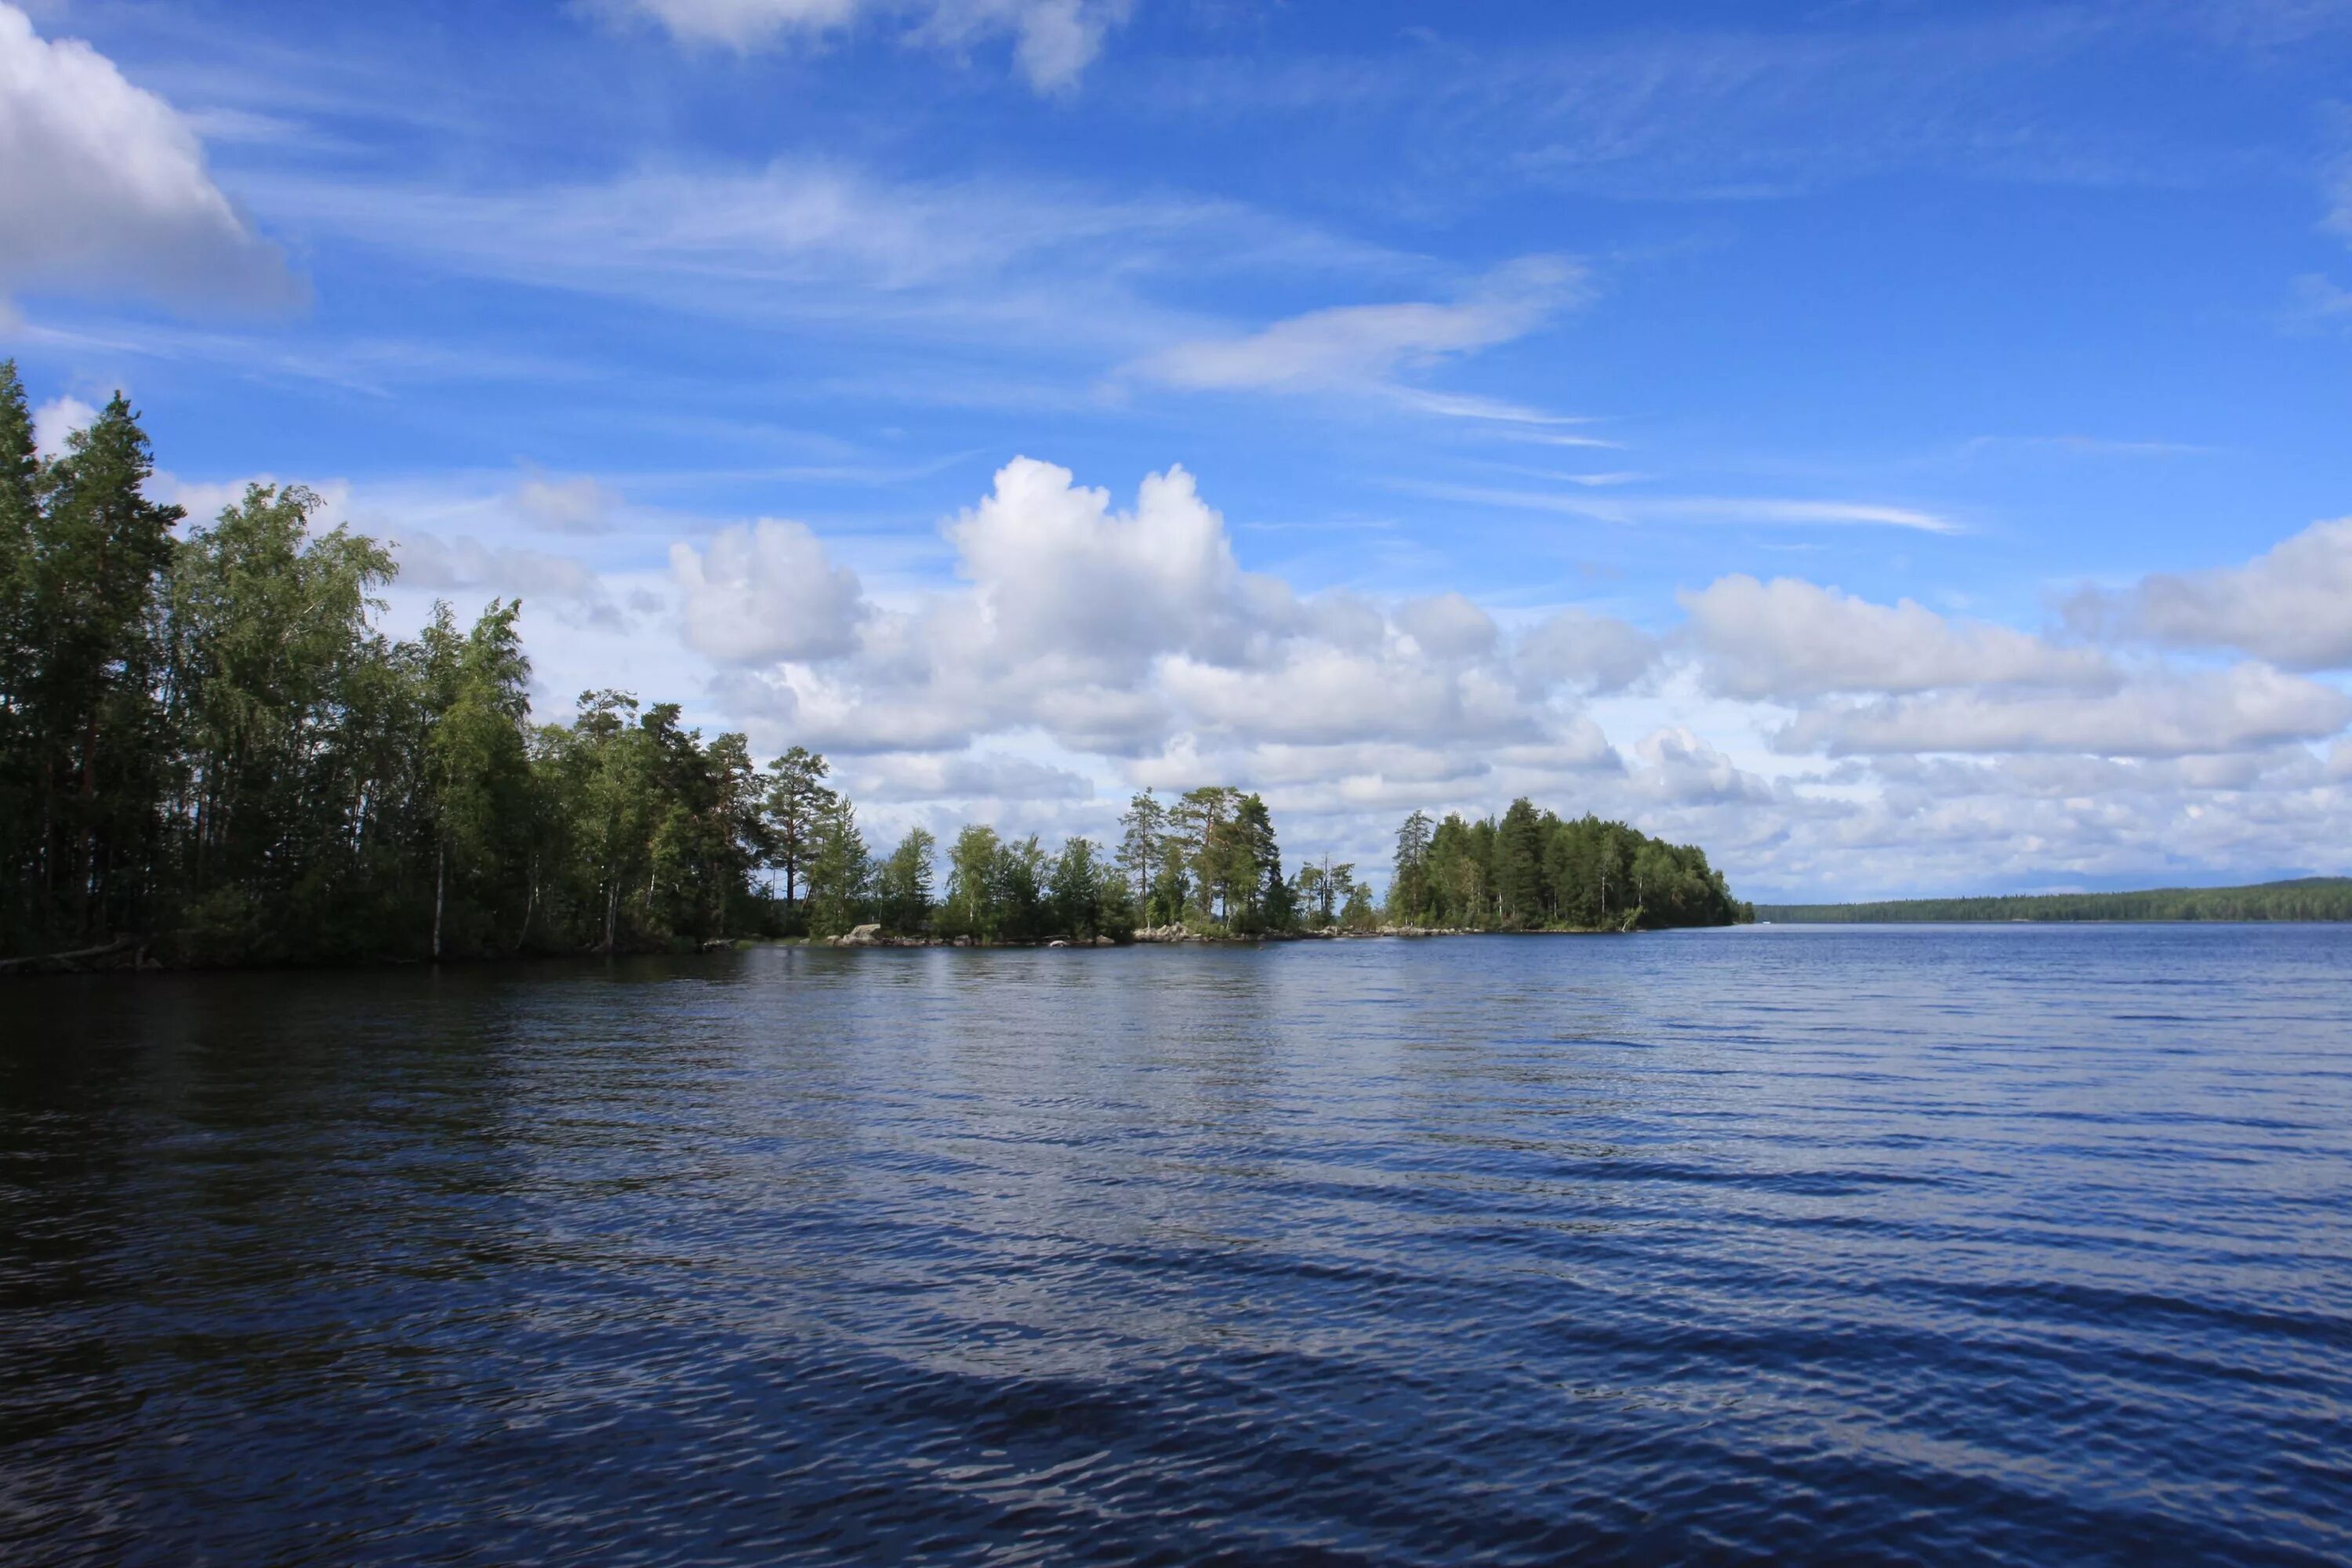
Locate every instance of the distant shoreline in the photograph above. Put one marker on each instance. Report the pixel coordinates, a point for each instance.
(2302, 900)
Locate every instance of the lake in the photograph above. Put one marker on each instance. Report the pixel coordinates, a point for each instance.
(2019, 1245)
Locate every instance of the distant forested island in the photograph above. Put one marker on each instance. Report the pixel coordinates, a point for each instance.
(210, 754)
(2302, 899)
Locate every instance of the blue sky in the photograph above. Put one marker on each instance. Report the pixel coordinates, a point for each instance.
(1895, 445)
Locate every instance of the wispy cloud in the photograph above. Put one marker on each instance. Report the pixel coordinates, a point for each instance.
(2084, 445)
(1367, 348)
(1762, 511)
(1053, 41)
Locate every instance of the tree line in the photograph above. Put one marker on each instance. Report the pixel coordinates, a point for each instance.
(2304, 899)
(1530, 869)
(208, 747)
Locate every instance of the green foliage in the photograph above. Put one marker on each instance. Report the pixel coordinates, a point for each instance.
(840, 871)
(1531, 871)
(797, 805)
(2304, 899)
(902, 884)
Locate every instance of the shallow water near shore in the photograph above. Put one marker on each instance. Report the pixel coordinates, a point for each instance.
(2021, 1244)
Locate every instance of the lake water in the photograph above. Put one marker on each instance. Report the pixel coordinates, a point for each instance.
(2008, 1244)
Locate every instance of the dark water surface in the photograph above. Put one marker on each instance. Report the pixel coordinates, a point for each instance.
(2007, 1245)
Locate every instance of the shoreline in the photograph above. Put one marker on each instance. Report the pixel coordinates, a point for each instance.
(1166, 936)
(135, 956)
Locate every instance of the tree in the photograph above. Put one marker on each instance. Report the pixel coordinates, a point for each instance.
(1089, 898)
(1023, 877)
(1265, 892)
(1143, 835)
(94, 733)
(1200, 821)
(1409, 888)
(1312, 892)
(1518, 865)
(20, 777)
(613, 757)
(972, 901)
(478, 764)
(902, 884)
(798, 801)
(268, 661)
(839, 871)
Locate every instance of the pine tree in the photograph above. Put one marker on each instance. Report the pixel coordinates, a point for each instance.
(798, 801)
(94, 733)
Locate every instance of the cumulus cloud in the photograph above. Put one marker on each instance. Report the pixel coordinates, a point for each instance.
(55, 420)
(576, 505)
(1677, 766)
(967, 777)
(103, 186)
(1053, 41)
(1577, 649)
(1363, 347)
(1091, 647)
(1058, 571)
(463, 564)
(2247, 705)
(2292, 604)
(1134, 634)
(1790, 638)
(766, 592)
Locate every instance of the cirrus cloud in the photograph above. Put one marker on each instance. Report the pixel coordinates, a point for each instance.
(1053, 41)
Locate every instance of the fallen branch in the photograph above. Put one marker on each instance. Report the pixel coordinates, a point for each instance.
(67, 962)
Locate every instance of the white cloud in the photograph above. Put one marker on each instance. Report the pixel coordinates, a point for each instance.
(1576, 647)
(1790, 638)
(1769, 512)
(766, 592)
(1050, 270)
(1056, 571)
(463, 564)
(965, 776)
(1678, 767)
(1363, 347)
(2248, 705)
(1127, 633)
(1813, 742)
(2320, 301)
(103, 186)
(1053, 41)
(576, 505)
(55, 420)
(2292, 604)
(1447, 627)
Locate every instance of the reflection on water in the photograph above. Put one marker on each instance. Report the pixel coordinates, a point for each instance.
(1974, 1244)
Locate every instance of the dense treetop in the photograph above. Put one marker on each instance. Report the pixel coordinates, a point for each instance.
(208, 747)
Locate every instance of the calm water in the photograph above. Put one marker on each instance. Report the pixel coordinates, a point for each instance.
(2023, 1246)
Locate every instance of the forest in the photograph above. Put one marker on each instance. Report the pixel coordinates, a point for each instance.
(2304, 899)
(210, 753)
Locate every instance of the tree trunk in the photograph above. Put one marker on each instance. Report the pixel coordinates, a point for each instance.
(611, 909)
(86, 869)
(440, 881)
(530, 905)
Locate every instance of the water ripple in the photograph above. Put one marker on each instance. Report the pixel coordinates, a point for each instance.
(2008, 1245)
